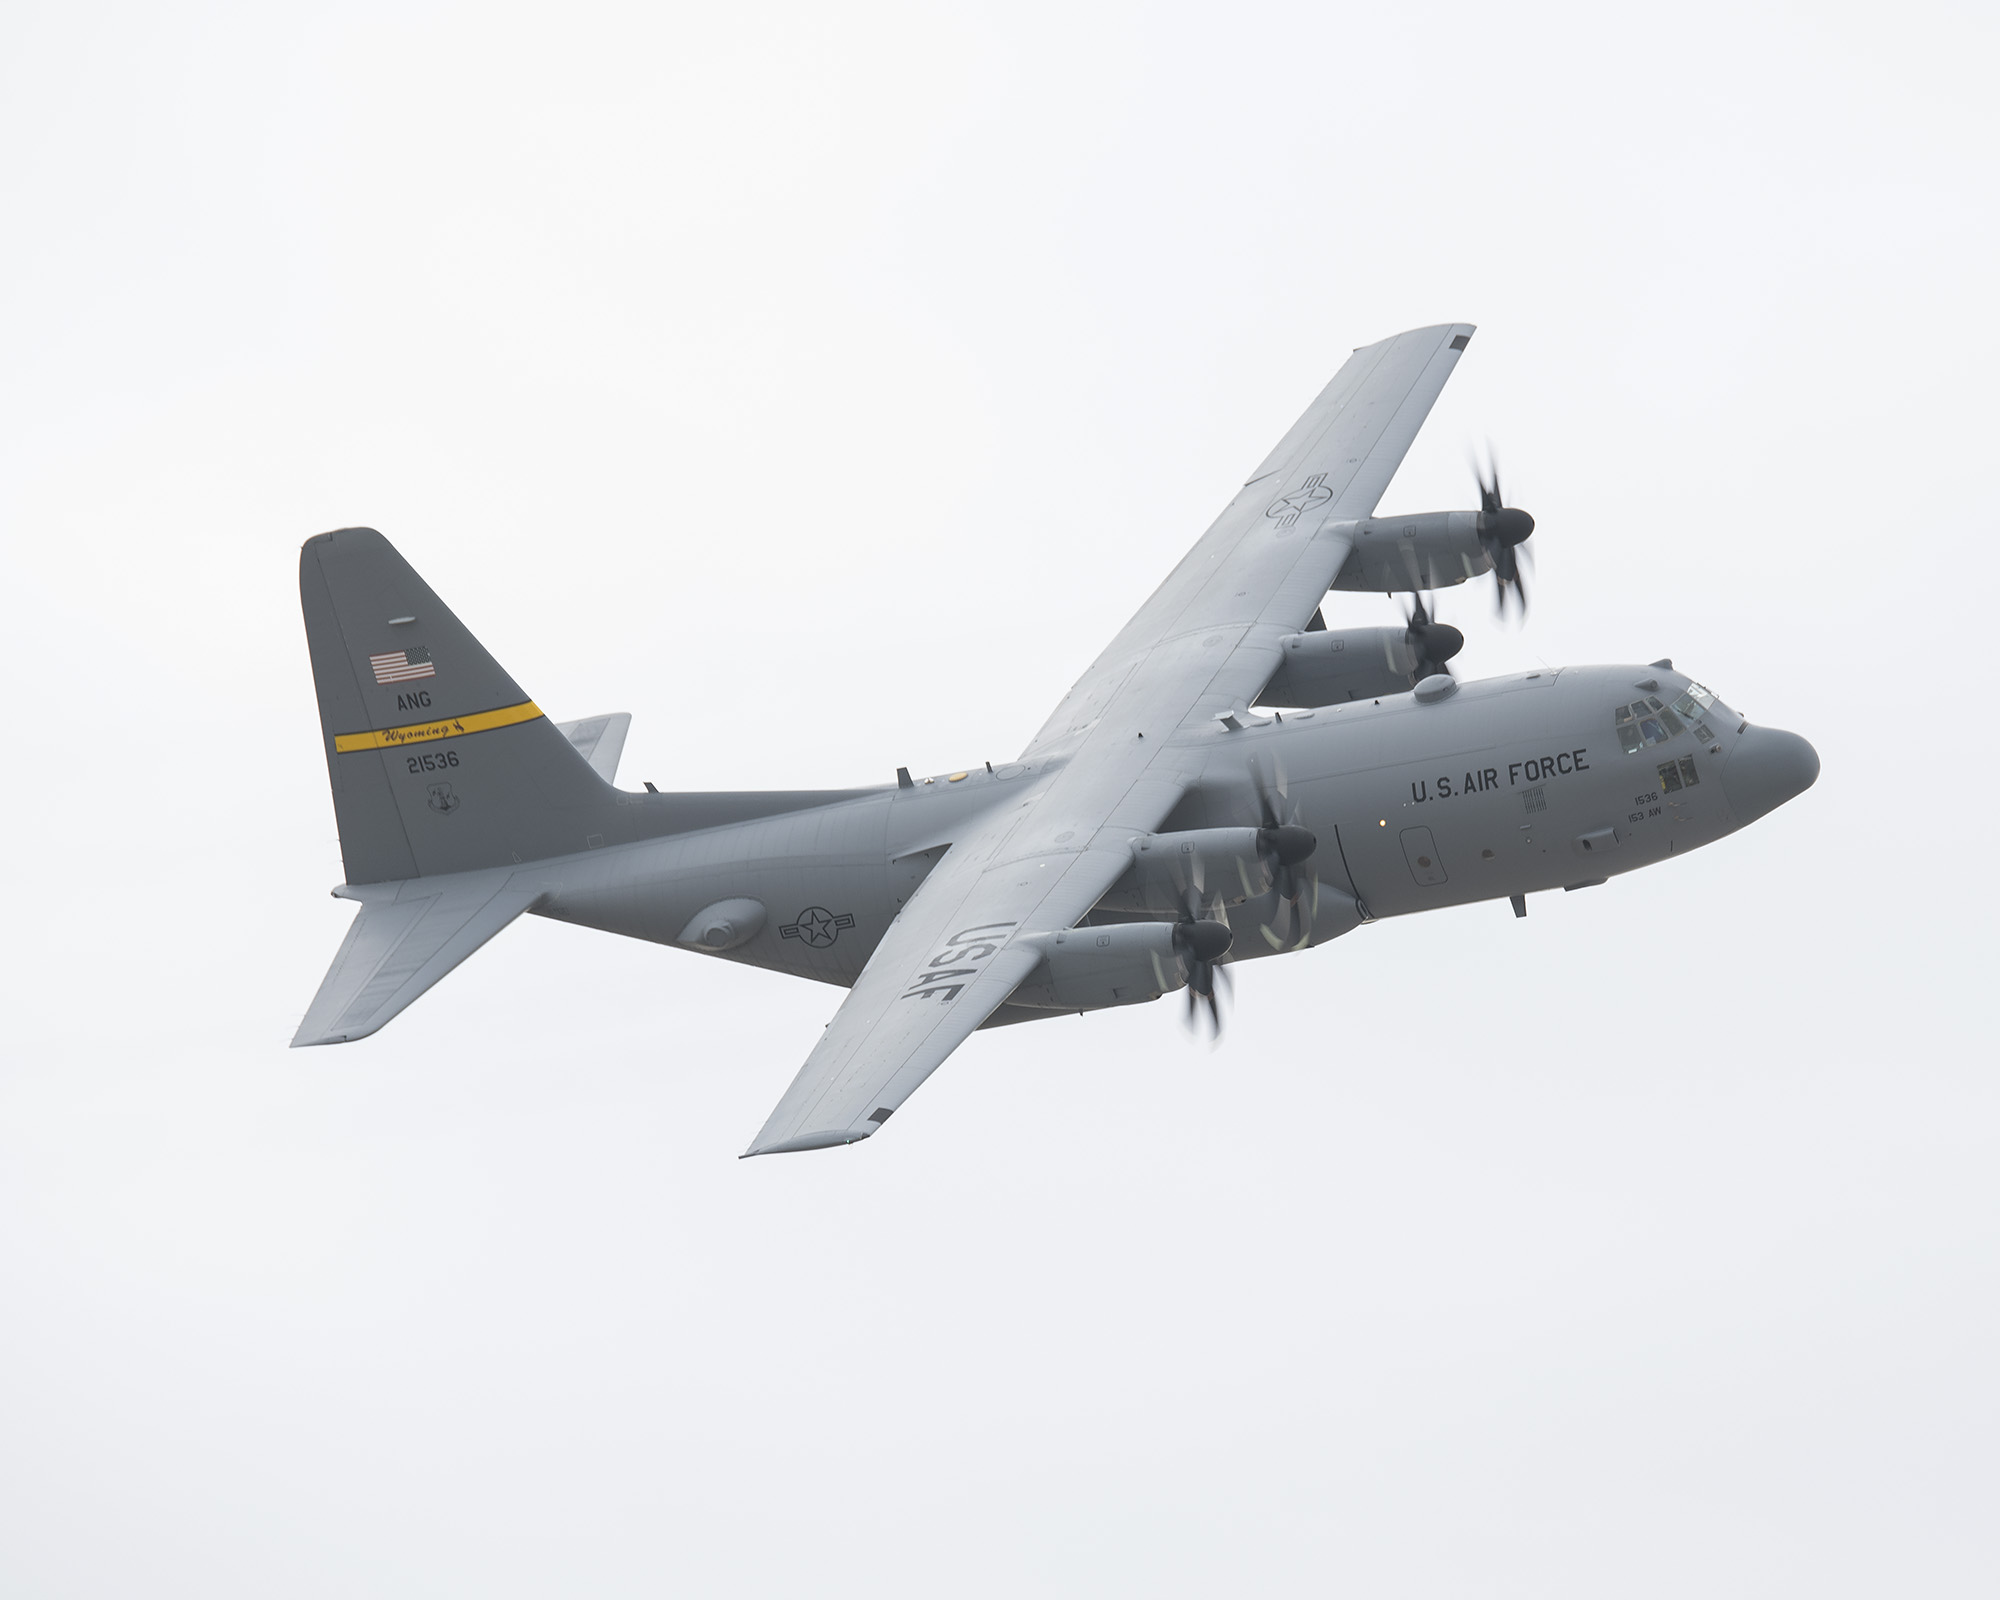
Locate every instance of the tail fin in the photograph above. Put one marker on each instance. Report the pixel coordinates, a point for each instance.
(439, 762)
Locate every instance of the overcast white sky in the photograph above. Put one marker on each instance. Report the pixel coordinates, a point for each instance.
(824, 386)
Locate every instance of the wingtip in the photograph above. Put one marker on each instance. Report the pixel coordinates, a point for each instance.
(826, 1139)
(1438, 330)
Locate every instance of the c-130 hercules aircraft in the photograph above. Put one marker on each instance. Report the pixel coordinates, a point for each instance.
(1230, 779)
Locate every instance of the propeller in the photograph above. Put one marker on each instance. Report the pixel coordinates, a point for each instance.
(1285, 848)
(1200, 943)
(1201, 939)
(1431, 644)
(1502, 528)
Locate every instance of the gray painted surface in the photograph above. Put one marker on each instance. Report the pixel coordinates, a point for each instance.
(937, 901)
(599, 740)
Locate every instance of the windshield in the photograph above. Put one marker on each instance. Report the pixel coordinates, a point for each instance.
(1649, 720)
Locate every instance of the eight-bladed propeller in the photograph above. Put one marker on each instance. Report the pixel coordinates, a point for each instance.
(1200, 943)
(1432, 644)
(1286, 848)
(1502, 528)
(1201, 939)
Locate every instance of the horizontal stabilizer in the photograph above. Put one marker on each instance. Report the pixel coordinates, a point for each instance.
(408, 936)
(599, 740)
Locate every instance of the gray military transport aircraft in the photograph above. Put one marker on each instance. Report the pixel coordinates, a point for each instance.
(1230, 779)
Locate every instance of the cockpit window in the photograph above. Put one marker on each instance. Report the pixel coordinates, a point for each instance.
(1677, 775)
(1645, 722)
(1649, 721)
(1691, 704)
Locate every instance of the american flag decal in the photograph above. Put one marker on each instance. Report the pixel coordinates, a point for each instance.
(399, 666)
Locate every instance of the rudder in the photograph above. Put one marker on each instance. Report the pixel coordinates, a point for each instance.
(439, 763)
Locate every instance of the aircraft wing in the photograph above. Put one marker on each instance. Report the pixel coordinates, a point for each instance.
(1207, 636)
(1120, 750)
(954, 954)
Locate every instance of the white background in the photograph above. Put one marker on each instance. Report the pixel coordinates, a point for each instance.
(825, 386)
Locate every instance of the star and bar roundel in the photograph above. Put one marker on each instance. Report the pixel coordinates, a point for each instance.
(817, 927)
(1309, 496)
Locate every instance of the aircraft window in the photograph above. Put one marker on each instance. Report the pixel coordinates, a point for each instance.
(1694, 702)
(1644, 722)
(1676, 775)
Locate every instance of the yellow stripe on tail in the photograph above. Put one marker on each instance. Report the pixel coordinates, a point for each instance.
(443, 728)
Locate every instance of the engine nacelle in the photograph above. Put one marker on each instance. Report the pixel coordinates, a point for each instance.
(1336, 665)
(1176, 872)
(1087, 969)
(1433, 550)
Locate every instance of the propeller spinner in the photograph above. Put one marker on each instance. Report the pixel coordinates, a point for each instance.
(1502, 530)
(1431, 644)
(1286, 848)
(1200, 943)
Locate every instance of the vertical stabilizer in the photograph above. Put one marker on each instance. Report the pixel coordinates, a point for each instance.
(439, 762)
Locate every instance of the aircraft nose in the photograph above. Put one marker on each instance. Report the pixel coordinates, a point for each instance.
(1768, 767)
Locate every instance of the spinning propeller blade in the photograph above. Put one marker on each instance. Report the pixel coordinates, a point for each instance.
(1431, 644)
(1502, 529)
(1286, 848)
(1200, 943)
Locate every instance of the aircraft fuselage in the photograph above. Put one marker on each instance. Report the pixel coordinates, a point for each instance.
(1502, 787)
